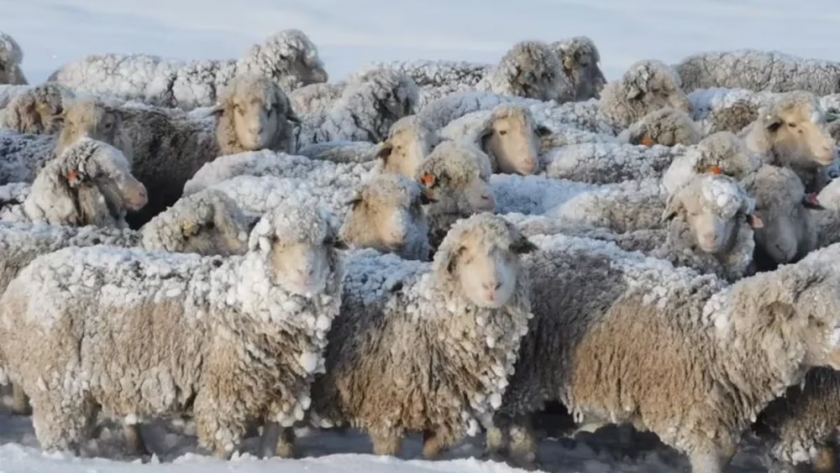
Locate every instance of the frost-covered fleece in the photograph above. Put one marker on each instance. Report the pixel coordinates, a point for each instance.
(769, 71)
(36, 110)
(288, 57)
(144, 334)
(22, 155)
(10, 58)
(609, 163)
(632, 339)
(411, 352)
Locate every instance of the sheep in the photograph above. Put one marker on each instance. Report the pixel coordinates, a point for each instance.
(782, 205)
(535, 194)
(791, 132)
(666, 127)
(252, 329)
(253, 114)
(89, 183)
(164, 150)
(288, 58)
(315, 98)
(608, 163)
(769, 71)
(727, 109)
(342, 152)
(36, 110)
(711, 227)
(11, 55)
(455, 177)
(647, 86)
(580, 57)
(439, 73)
(663, 349)
(507, 133)
(409, 142)
(829, 196)
(529, 69)
(720, 152)
(445, 334)
(22, 155)
(12, 197)
(369, 104)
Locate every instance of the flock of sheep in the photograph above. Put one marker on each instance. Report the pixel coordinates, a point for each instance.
(435, 247)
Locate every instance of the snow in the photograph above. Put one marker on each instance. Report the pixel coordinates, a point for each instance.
(349, 36)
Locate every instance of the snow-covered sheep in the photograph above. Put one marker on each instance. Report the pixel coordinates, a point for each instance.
(507, 133)
(782, 205)
(720, 152)
(342, 152)
(666, 127)
(253, 114)
(829, 196)
(711, 227)
(647, 86)
(791, 132)
(386, 214)
(38, 110)
(769, 71)
(315, 98)
(664, 349)
(368, 106)
(726, 109)
(439, 73)
(22, 155)
(529, 69)
(535, 194)
(409, 142)
(11, 55)
(89, 183)
(164, 149)
(607, 163)
(441, 338)
(456, 178)
(288, 58)
(580, 57)
(250, 328)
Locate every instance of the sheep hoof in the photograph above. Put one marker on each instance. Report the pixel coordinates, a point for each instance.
(20, 402)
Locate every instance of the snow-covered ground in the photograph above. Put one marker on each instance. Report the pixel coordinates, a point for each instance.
(349, 34)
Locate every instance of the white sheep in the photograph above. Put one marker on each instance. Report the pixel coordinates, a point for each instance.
(22, 155)
(232, 340)
(720, 153)
(369, 104)
(36, 110)
(666, 126)
(409, 142)
(288, 58)
(662, 348)
(342, 151)
(427, 347)
(727, 109)
(508, 134)
(769, 71)
(607, 163)
(315, 98)
(529, 69)
(89, 183)
(535, 194)
(647, 86)
(11, 55)
(791, 132)
(580, 57)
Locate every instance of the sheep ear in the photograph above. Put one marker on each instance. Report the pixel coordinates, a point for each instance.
(754, 221)
(485, 135)
(356, 200)
(810, 201)
(189, 228)
(646, 141)
(523, 246)
(385, 151)
(336, 243)
(773, 123)
(73, 177)
(292, 117)
(216, 110)
(672, 208)
(453, 260)
(714, 170)
(428, 180)
(543, 131)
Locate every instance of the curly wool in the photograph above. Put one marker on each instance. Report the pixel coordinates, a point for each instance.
(222, 331)
(647, 86)
(580, 57)
(342, 152)
(726, 109)
(529, 69)
(768, 71)
(609, 163)
(533, 195)
(409, 142)
(23, 155)
(666, 127)
(315, 98)
(12, 197)
(446, 360)
(11, 55)
(715, 342)
(721, 151)
(289, 58)
(37, 110)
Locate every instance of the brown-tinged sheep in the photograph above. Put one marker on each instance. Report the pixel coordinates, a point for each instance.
(580, 57)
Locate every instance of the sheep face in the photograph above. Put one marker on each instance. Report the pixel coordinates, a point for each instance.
(800, 132)
(817, 305)
(88, 118)
(456, 178)
(301, 268)
(487, 268)
(655, 85)
(580, 59)
(513, 139)
(38, 110)
(221, 230)
(111, 173)
(255, 124)
(407, 146)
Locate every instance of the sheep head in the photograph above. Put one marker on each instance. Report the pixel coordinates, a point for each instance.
(456, 177)
(714, 207)
(38, 110)
(512, 139)
(11, 55)
(254, 114)
(386, 214)
(656, 85)
(298, 244)
(409, 142)
(91, 118)
(288, 57)
(580, 59)
(531, 69)
(104, 166)
(480, 255)
(795, 130)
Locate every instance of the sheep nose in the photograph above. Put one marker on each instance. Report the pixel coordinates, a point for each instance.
(492, 286)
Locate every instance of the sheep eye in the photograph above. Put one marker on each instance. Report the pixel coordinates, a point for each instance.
(503, 132)
(209, 225)
(792, 125)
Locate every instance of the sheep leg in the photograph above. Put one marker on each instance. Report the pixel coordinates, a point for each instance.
(62, 420)
(825, 461)
(20, 401)
(134, 441)
(711, 460)
(523, 444)
(386, 442)
(277, 440)
(433, 443)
